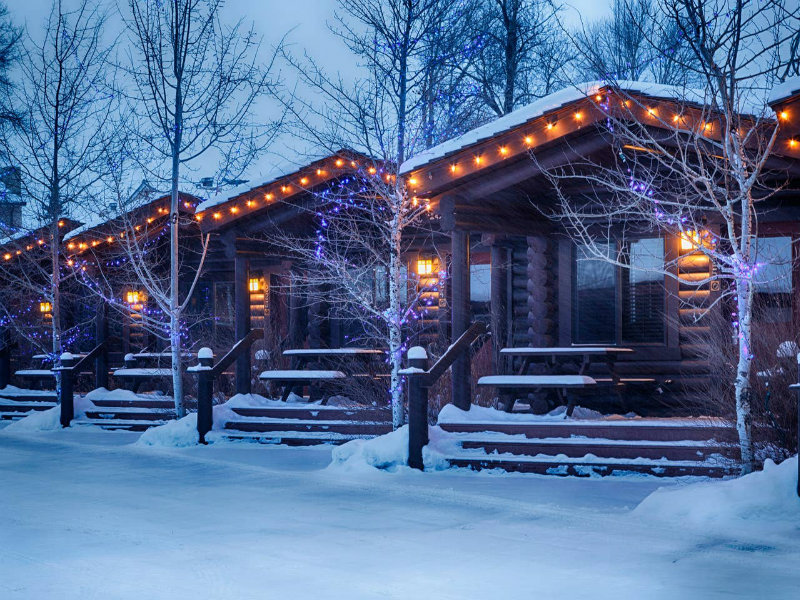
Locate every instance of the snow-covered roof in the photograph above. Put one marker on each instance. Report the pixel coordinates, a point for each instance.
(787, 89)
(143, 195)
(224, 195)
(553, 102)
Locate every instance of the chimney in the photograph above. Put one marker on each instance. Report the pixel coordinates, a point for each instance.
(11, 198)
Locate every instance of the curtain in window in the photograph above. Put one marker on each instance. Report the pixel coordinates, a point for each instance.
(595, 314)
(643, 292)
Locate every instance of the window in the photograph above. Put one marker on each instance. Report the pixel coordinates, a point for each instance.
(480, 281)
(594, 301)
(773, 280)
(614, 304)
(643, 293)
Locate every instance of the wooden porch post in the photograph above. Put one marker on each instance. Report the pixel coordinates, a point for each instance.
(5, 357)
(242, 320)
(295, 305)
(101, 335)
(498, 300)
(460, 316)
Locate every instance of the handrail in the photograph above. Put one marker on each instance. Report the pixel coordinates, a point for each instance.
(238, 348)
(430, 377)
(87, 357)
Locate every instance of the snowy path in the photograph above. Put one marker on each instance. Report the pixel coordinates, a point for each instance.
(85, 515)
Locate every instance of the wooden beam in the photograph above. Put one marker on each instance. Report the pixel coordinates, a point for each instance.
(242, 320)
(460, 317)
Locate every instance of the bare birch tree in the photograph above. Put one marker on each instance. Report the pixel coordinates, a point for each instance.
(63, 102)
(696, 167)
(381, 115)
(196, 84)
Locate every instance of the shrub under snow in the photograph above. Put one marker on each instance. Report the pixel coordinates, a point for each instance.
(760, 498)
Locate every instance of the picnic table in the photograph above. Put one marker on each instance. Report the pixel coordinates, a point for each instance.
(555, 360)
(316, 367)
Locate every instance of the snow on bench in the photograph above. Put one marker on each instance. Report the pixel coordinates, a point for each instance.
(34, 373)
(142, 373)
(299, 375)
(537, 381)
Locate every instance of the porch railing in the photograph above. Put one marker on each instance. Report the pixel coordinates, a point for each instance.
(207, 372)
(420, 379)
(68, 367)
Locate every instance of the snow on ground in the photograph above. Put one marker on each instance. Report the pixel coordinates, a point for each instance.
(87, 514)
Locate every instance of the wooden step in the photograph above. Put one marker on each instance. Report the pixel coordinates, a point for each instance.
(144, 415)
(577, 448)
(121, 424)
(579, 468)
(140, 403)
(320, 412)
(45, 396)
(611, 431)
(293, 439)
(26, 406)
(301, 426)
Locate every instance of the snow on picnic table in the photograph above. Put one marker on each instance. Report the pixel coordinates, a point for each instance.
(87, 514)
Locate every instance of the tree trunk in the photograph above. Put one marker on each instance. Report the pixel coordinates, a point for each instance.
(744, 418)
(395, 323)
(174, 265)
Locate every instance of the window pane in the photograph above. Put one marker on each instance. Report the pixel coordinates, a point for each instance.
(479, 283)
(773, 280)
(594, 302)
(643, 293)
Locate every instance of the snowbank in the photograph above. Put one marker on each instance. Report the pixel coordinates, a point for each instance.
(173, 434)
(104, 394)
(48, 420)
(482, 414)
(17, 391)
(755, 500)
(389, 452)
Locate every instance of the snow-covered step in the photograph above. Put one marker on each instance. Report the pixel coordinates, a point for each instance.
(665, 430)
(589, 465)
(578, 447)
(124, 424)
(294, 438)
(266, 425)
(134, 414)
(10, 410)
(327, 413)
(146, 403)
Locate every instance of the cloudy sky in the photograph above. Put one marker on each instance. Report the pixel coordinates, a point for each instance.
(305, 22)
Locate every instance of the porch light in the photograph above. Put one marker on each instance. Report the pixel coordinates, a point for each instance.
(217, 215)
(503, 150)
(304, 180)
(339, 162)
(784, 116)
(424, 266)
(691, 239)
(528, 140)
(61, 223)
(793, 143)
(578, 116)
(45, 307)
(254, 285)
(132, 297)
(7, 256)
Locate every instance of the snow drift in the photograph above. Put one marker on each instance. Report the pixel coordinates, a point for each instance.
(760, 498)
(50, 419)
(389, 452)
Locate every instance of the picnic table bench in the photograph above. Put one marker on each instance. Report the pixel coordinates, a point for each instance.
(43, 375)
(317, 377)
(137, 371)
(556, 358)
